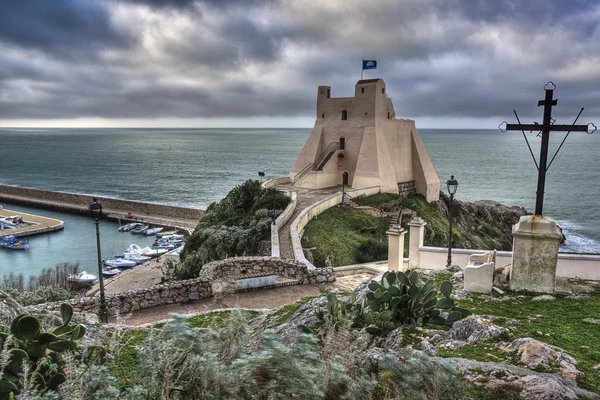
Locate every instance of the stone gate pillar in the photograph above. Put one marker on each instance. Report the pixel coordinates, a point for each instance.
(396, 248)
(535, 253)
(415, 241)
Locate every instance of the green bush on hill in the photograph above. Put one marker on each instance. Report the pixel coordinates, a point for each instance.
(235, 225)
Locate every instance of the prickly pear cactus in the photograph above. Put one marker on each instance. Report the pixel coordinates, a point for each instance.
(404, 298)
(27, 345)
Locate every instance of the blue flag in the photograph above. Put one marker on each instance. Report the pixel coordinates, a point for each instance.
(369, 64)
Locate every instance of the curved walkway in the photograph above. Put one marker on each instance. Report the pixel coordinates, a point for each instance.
(305, 197)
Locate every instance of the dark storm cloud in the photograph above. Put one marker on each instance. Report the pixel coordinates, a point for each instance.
(62, 26)
(235, 58)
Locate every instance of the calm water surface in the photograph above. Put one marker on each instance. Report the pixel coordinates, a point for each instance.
(195, 167)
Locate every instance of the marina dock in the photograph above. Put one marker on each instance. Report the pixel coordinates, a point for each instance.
(39, 224)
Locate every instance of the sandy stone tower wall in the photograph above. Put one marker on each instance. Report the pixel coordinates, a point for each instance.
(360, 135)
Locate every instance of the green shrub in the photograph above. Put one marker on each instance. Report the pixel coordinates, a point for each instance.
(371, 250)
(237, 224)
(42, 294)
(192, 266)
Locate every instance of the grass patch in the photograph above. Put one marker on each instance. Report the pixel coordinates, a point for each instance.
(125, 367)
(216, 320)
(338, 232)
(288, 310)
(562, 319)
(377, 199)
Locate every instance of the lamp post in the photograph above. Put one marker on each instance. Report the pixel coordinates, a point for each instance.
(262, 175)
(452, 185)
(96, 211)
(344, 183)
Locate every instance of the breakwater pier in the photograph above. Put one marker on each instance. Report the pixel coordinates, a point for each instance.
(116, 209)
(35, 224)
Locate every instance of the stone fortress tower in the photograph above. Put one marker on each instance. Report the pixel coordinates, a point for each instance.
(359, 142)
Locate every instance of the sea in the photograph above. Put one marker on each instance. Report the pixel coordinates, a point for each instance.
(195, 167)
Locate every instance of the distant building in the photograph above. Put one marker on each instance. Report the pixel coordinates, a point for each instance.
(359, 139)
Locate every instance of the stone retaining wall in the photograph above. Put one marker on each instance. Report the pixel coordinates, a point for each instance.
(239, 266)
(77, 203)
(194, 289)
(133, 300)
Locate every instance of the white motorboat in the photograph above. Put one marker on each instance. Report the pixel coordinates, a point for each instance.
(166, 233)
(120, 262)
(110, 272)
(172, 237)
(136, 258)
(152, 231)
(82, 277)
(128, 227)
(153, 253)
(139, 229)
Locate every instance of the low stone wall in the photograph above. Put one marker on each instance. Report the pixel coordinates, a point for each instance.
(133, 300)
(194, 289)
(276, 181)
(315, 209)
(279, 222)
(239, 266)
(77, 203)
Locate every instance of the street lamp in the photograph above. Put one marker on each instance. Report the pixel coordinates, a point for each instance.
(262, 175)
(452, 185)
(96, 211)
(344, 183)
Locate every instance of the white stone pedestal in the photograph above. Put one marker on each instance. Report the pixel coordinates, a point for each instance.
(396, 248)
(535, 253)
(415, 241)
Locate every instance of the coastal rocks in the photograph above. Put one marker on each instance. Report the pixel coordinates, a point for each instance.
(537, 356)
(470, 330)
(525, 383)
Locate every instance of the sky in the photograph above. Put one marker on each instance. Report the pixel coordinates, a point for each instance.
(257, 63)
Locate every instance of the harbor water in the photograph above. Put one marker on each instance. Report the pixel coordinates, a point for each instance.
(195, 167)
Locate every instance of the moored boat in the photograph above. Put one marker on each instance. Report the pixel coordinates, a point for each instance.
(165, 233)
(152, 252)
(120, 262)
(139, 229)
(152, 231)
(13, 243)
(82, 277)
(128, 227)
(110, 272)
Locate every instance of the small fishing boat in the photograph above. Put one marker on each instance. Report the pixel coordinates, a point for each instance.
(109, 272)
(152, 252)
(120, 262)
(152, 231)
(82, 277)
(128, 227)
(137, 258)
(13, 243)
(165, 233)
(139, 229)
(171, 237)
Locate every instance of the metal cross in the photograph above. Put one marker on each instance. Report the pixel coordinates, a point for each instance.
(546, 127)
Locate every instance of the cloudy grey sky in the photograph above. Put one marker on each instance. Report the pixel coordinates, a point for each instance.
(210, 63)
